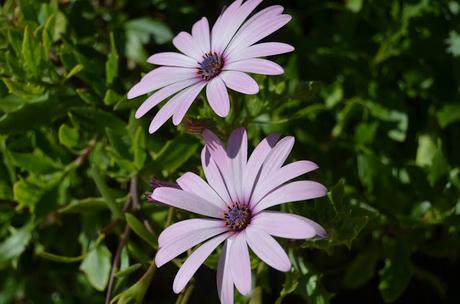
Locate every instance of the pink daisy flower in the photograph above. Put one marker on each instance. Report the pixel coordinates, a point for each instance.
(236, 196)
(216, 59)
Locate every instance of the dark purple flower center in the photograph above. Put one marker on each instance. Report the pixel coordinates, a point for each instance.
(211, 66)
(237, 217)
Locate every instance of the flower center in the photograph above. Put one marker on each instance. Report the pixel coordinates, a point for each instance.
(237, 217)
(211, 66)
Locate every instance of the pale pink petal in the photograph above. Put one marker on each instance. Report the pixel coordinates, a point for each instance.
(218, 98)
(279, 177)
(240, 264)
(165, 112)
(220, 27)
(232, 22)
(224, 276)
(267, 248)
(173, 59)
(237, 153)
(200, 34)
(277, 157)
(255, 65)
(162, 94)
(214, 176)
(159, 78)
(180, 229)
(217, 150)
(285, 225)
(186, 201)
(191, 182)
(256, 22)
(240, 82)
(174, 249)
(292, 192)
(195, 260)
(255, 162)
(190, 95)
(184, 43)
(256, 32)
(260, 50)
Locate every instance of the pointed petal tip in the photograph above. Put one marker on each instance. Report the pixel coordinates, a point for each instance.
(158, 260)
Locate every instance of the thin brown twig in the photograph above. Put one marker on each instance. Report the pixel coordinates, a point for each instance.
(116, 261)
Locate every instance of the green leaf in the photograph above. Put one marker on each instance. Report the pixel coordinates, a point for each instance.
(453, 43)
(136, 292)
(36, 162)
(14, 245)
(111, 66)
(336, 196)
(138, 33)
(68, 136)
(97, 266)
(138, 147)
(36, 114)
(95, 119)
(26, 194)
(31, 52)
(127, 271)
(396, 274)
(175, 153)
(361, 269)
(140, 230)
(25, 90)
(449, 113)
(74, 71)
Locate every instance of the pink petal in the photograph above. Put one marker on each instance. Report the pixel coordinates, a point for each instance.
(186, 201)
(256, 22)
(165, 112)
(255, 162)
(258, 30)
(292, 192)
(267, 248)
(217, 150)
(159, 78)
(195, 260)
(173, 59)
(233, 21)
(277, 157)
(240, 264)
(176, 106)
(237, 153)
(286, 225)
(190, 95)
(224, 276)
(255, 65)
(183, 228)
(200, 34)
(279, 177)
(213, 175)
(260, 50)
(161, 95)
(184, 43)
(240, 82)
(191, 182)
(218, 97)
(217, 34)
(174, 249)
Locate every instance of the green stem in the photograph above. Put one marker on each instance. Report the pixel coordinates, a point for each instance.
(105, 192)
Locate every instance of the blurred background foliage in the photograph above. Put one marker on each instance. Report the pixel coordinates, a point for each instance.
(371, 94)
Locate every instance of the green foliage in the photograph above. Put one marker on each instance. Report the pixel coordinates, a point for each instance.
(371, 94)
